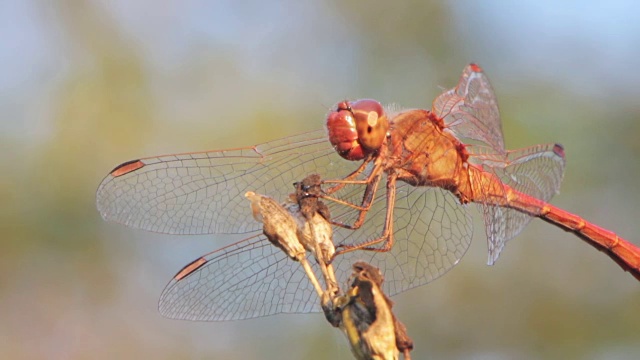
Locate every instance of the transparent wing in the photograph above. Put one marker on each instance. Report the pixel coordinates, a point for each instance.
(536, 171)
(253, 278)
(202, 192)
(432, 232)
(248, 279)
(470, 111)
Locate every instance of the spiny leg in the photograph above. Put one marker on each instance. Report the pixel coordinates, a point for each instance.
(387, 232)
(363, 208)
(371, 183)
(347, 180)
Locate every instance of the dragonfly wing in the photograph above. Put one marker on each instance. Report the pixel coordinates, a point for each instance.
(432, 232)
(470, 111)
(202, 193)
(251, 278)
(536, 171)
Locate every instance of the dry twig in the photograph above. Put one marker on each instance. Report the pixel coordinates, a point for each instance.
(363, 312)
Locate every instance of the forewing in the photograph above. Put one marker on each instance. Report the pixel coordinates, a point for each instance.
(470, 111)
(202, 192)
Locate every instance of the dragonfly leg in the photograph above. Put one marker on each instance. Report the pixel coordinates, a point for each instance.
(371, 183)
(349, 179)
(363, 208)
(387, 233)
(367, 198)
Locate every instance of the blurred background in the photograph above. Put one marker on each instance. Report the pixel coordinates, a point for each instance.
(86, 85)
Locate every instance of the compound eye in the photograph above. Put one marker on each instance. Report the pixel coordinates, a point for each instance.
(342, 132)
(371, 123)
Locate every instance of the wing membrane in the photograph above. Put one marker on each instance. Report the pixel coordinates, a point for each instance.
(202, 193)
(470, 110)
(535, 171)
(253, 278)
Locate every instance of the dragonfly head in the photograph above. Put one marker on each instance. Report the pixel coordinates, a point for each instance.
(357, 128)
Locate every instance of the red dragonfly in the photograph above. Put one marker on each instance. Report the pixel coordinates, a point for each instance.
(458, 146)
(433, 163)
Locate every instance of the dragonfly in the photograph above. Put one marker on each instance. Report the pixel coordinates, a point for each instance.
(458, 146)
(433, 162)
(204, 193)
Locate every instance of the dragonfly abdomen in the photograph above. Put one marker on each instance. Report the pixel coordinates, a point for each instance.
(620, 250)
